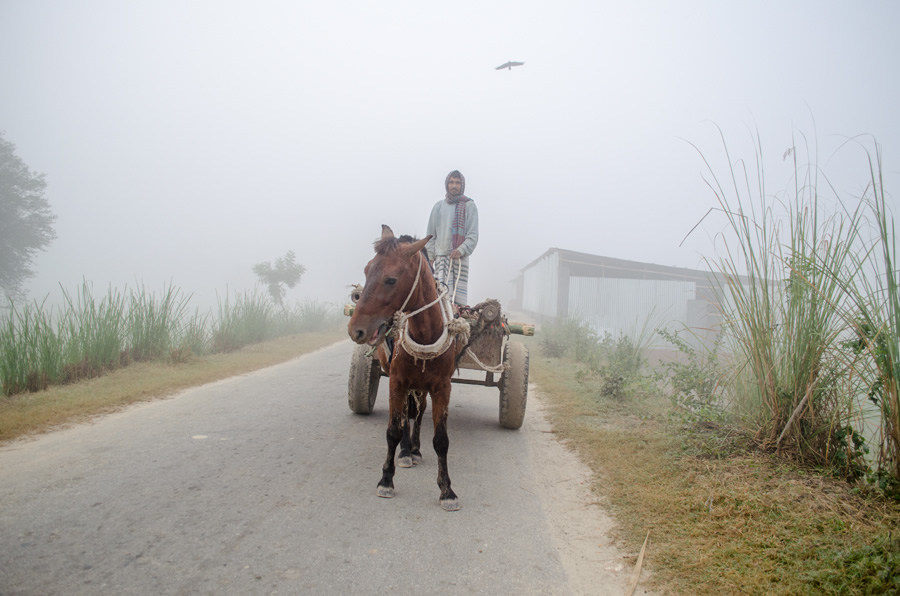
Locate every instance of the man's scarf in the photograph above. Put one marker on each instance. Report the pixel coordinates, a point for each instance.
(458, 228)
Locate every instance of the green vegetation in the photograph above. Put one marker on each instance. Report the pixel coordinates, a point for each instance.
(614, 361)
(811, 306)
(42, 346)
(783, 264)
(724, 516)
(873, 318)
(768, 462)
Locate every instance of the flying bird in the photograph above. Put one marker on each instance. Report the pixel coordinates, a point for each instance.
(509, 65)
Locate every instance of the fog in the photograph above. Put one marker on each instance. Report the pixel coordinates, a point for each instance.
(184, 142)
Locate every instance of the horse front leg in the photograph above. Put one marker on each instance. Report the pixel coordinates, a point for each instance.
(440, 407)
(397, 421)
(421, 403)
(410, 444)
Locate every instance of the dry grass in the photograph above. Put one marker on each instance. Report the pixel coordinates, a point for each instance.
(31, 413)
(738, 522)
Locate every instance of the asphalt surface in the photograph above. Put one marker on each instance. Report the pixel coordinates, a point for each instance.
(265, 484)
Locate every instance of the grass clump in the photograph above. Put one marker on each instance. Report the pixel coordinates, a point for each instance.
(780, 317)
(245, 319)
(868, 569)
(872, 315)
(41, 345)
(811, 308)
(153, 323)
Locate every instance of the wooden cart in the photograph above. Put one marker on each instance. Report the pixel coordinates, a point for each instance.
(503, 362)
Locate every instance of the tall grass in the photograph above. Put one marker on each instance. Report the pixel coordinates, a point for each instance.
(245, 319)
(194, 336)
(31, 357)
(86, 336)
(780, 304)
(92, 333)
(873, 316)
(152, 323)
(311, 315)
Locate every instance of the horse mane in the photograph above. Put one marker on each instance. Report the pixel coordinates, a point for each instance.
(385, 246)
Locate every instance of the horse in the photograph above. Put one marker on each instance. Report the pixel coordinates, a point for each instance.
(400, 298)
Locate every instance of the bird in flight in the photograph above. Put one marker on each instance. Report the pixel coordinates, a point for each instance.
(509, 65)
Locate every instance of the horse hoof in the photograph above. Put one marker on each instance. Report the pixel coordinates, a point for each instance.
(416, 459)
(385, 492)
(450, 504)
(405, 462)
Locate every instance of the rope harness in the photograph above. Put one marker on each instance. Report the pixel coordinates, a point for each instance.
(452, 328)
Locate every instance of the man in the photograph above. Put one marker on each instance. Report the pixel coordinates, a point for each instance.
(453, 225)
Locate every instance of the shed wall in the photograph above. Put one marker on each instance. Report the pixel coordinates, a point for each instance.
(540, 286)
(628, 306)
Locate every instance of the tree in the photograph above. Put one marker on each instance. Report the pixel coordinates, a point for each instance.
(26, 221)
(286, 272)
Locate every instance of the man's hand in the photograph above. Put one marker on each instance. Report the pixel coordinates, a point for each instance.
(455, 255)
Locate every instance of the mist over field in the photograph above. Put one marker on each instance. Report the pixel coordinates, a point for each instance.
(185, 142)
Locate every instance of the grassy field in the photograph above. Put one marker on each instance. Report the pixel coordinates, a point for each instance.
(723, 518)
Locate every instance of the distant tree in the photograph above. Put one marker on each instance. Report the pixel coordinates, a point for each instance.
(26, 221)
(286, 272)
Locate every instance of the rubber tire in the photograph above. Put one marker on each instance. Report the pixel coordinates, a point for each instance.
(362, 386)
(514, 385)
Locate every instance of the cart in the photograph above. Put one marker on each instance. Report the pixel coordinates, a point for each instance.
(503, 362)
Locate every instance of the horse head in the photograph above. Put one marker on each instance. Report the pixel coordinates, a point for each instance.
(390, 280)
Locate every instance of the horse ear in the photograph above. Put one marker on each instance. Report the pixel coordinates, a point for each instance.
(417, 246)
(386, 232)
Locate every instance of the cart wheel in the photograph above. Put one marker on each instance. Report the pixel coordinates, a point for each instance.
(514, 385)
(365, 372)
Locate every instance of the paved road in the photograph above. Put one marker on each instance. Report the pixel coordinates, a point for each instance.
(265, 484)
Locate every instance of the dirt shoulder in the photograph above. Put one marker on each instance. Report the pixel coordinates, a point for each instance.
(582, 528)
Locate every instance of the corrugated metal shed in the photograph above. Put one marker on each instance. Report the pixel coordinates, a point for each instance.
(617, 295)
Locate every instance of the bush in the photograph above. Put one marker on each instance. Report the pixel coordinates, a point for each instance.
(569, 336)
(695, 381)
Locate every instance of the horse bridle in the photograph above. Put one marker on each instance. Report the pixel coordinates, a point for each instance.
(400, 319)
(413, 289)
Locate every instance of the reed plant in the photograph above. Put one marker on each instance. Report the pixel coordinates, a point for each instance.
(312, 315)
(41, 346)
(152, 322)
(779, 309)
(92, 333)
(247, 318)
(30, 350)
(193, 336)
(873, 315)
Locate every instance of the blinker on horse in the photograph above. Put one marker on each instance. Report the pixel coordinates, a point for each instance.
(400, 297)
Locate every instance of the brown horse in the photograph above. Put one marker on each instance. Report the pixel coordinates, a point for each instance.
(399, 280)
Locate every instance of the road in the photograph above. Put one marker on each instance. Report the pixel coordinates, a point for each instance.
(265, 484)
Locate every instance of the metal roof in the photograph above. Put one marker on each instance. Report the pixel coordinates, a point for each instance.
(582, 264)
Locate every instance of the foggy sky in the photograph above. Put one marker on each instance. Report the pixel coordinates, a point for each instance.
(186, 141)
